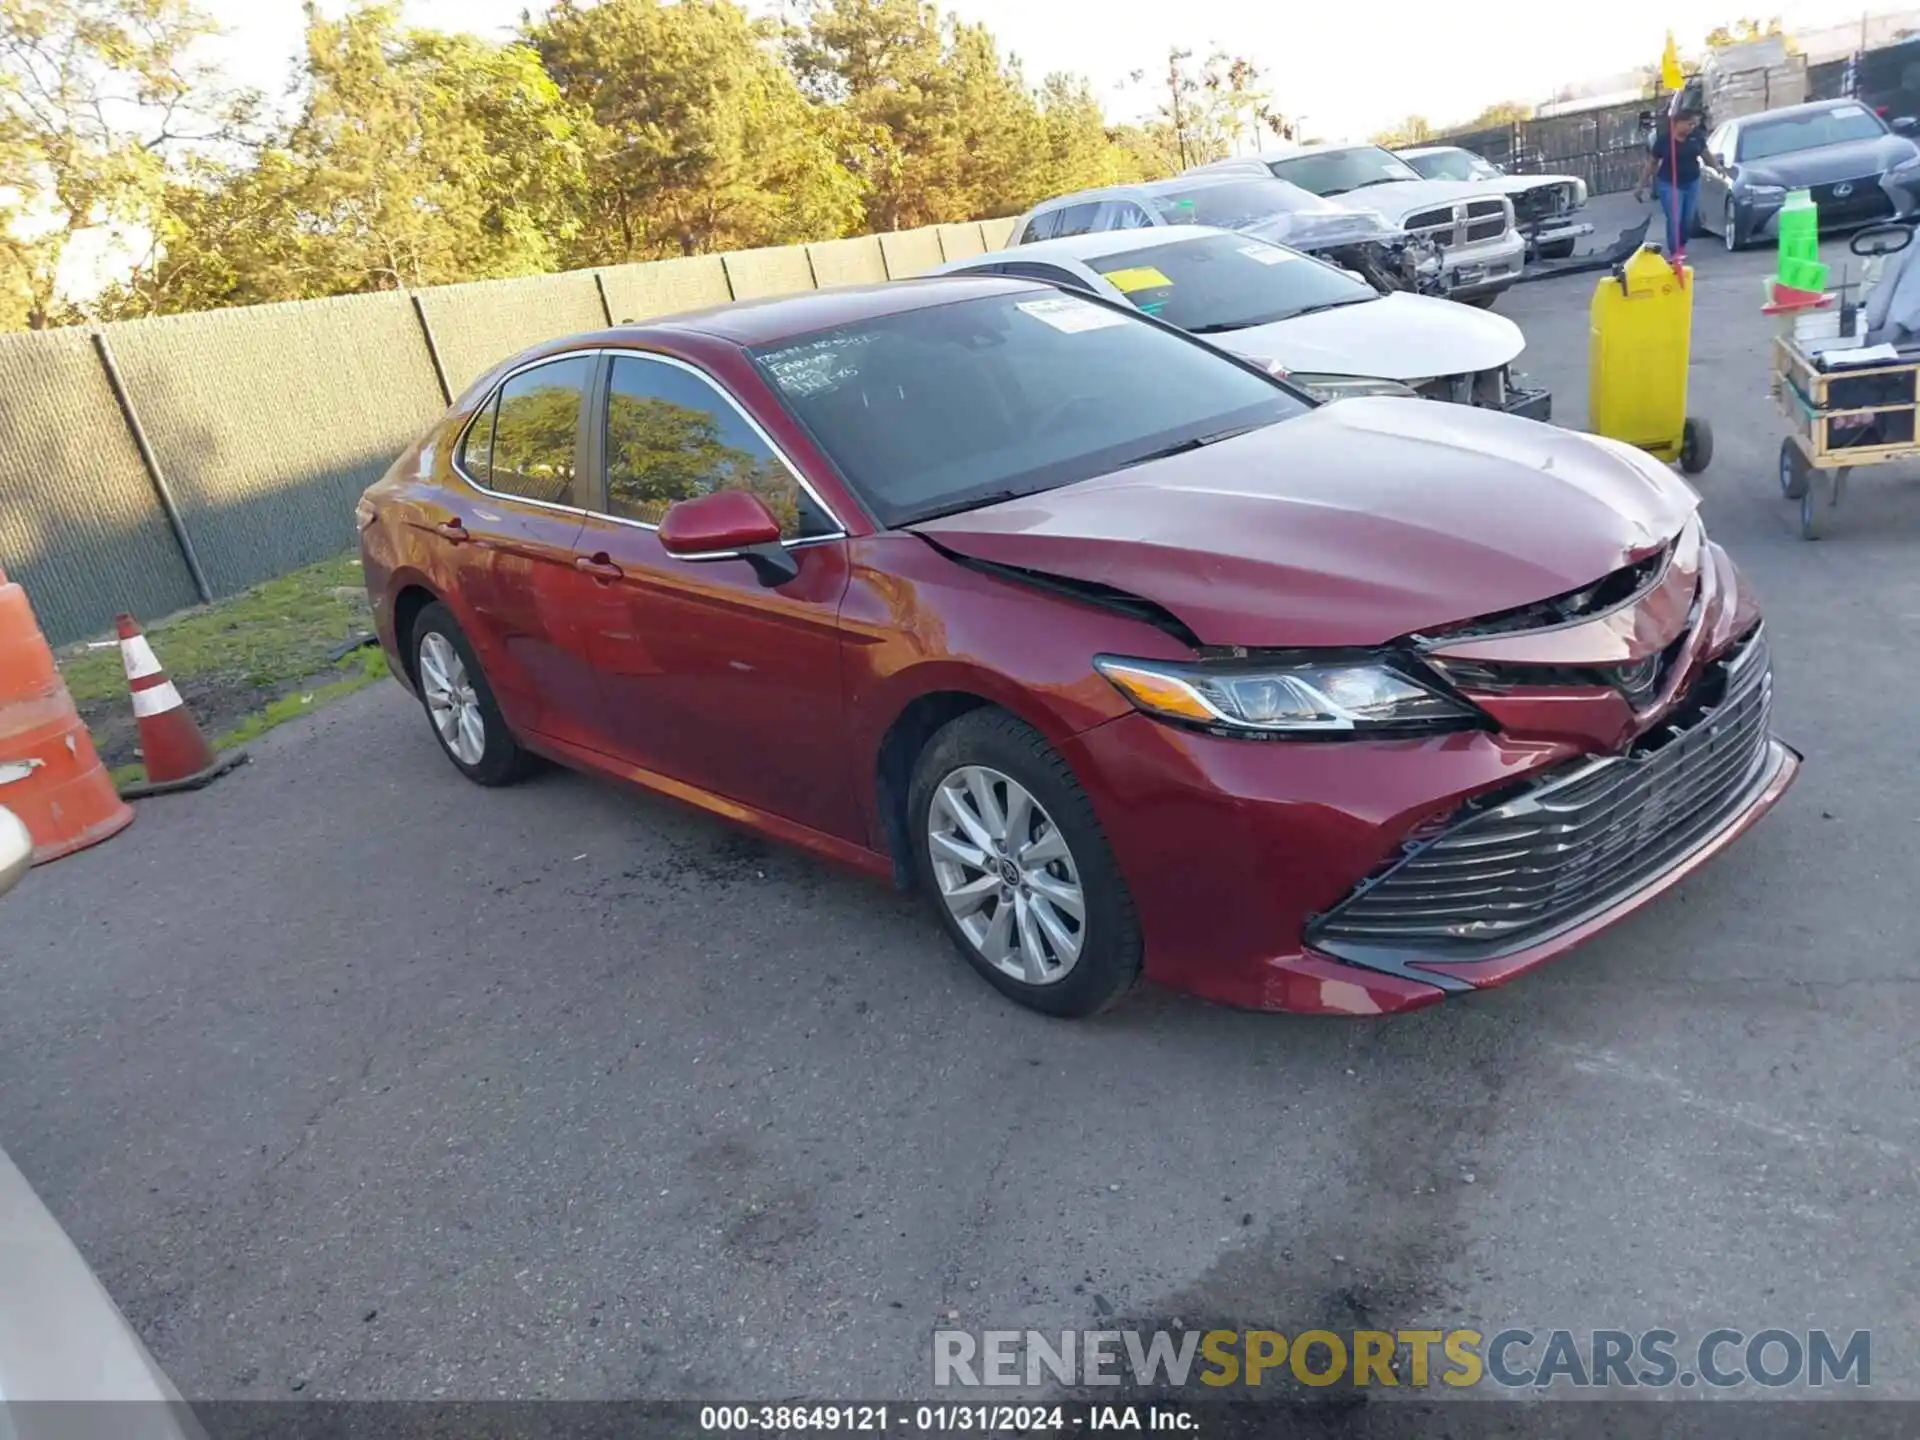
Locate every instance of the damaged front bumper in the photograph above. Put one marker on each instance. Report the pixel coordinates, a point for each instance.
(1498, 389)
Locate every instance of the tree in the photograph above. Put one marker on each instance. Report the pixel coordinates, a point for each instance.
(1414, 130)
(700, 137)
(1081, 151)
(885, 65)
(1506, 112)
(1208, 111)
(941, 125)
(98, 99)
(416, 158)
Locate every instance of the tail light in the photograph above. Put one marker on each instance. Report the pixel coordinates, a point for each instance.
(363, 513)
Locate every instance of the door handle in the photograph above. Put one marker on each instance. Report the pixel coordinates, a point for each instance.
(452, 530)
(598, 566)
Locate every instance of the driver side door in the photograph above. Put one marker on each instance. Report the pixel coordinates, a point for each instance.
(709, 677)
(1713, 190)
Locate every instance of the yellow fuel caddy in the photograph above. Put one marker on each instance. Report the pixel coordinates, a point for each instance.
(1640, 339)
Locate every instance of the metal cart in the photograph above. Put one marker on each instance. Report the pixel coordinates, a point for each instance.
(1841, 419)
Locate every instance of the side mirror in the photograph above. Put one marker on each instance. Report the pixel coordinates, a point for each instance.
(727, 524)
(16, 850)
(1906, 125)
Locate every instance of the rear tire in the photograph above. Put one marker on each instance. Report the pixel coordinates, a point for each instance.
(459, 703)
(1813, 510)
(1016, 890)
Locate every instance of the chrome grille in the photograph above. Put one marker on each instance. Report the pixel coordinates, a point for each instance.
(1461, 224)
(1510, 874)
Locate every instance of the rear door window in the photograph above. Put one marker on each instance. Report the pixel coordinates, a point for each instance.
(1040, 227)
(1123, 215)
(1077, 219)
(526, 442)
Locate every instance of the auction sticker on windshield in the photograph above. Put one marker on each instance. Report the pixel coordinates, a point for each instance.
(1070, 315)
(1139, 277)
(1265, 254)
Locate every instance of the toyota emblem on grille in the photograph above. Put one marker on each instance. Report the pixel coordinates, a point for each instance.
(1843, 189)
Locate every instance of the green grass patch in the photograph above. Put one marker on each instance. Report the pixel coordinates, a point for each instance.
(243, 665)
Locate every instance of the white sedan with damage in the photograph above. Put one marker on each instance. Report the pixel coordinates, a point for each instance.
(1325, 328)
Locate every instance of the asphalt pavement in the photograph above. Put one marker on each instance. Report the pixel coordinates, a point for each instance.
(352, 1079)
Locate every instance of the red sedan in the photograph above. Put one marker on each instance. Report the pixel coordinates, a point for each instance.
(1131, 657)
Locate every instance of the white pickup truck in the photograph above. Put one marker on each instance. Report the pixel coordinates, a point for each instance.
(1472, 220)
(1545, 207)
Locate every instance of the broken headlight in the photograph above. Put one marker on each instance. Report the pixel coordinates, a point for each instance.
(1263, 697)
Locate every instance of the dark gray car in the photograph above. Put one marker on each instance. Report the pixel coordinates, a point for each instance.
(1859, 168)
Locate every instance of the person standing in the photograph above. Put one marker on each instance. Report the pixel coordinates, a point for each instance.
(1675, 156)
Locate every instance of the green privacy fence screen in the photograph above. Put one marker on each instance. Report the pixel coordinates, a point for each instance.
(141, 462)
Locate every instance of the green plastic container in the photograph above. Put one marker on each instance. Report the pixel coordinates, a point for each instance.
(1799, 231)
(1803, 274)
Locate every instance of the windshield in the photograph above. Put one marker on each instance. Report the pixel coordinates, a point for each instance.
(1334, 172)
(1227, 282)
(959, 405)
(1239, 202)
(1452, 165)
(1764, 139)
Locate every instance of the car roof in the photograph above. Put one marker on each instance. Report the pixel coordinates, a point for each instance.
(1096, 244)
(1790, 112)
(751, 323)
(1288, 152)
(1193, 180)
(1432, 150)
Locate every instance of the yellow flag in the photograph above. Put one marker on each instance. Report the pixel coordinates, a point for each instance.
(1671, 77)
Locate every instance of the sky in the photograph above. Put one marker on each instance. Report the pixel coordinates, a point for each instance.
(1442, 59)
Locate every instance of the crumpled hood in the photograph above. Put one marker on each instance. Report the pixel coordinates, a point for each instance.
(1511, 185)
(1396, 336)
(1355, 524)
(1326, 229)
(1398, 199)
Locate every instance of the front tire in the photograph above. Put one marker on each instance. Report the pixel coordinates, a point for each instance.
(1696, 445)
(1557, 250)
(1796, 474)
(460, 706)
(1018, 868)
(1730, 227)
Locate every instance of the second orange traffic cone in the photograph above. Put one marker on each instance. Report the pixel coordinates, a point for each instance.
(176, 754)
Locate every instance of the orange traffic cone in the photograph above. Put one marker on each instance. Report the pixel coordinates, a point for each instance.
(50, 776)
(176, 754)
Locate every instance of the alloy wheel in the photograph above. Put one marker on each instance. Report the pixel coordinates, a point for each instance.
(451, 701)
(1731, 232)
(1006, 875)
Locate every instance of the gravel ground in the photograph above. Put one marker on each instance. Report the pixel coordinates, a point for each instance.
(355, 1080)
